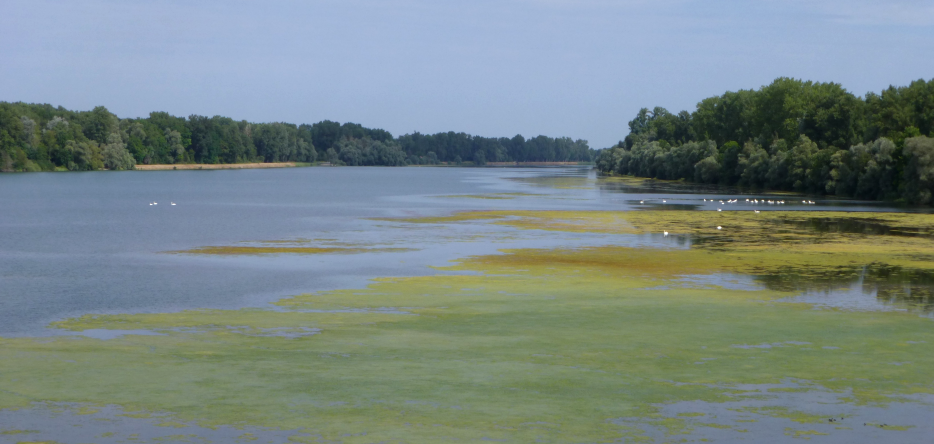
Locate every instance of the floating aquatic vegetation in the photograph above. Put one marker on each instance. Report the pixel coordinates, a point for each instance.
(741, 230)
(490, 196)
(549, 345)
(568, 182)
(259, 250)
(632, 184)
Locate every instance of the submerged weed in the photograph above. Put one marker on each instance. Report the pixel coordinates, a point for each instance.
(550, 345)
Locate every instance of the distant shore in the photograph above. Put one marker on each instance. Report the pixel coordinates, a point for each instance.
(537, 163)
(220, 166)
(239, 166)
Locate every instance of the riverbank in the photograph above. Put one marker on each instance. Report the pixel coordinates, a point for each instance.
(222, 166)
(521, 164)
(238, 166)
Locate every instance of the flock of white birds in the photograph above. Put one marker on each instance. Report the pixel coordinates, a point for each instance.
(157, 203)
(748, 201)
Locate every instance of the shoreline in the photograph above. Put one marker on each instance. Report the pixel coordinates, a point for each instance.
(239, 166)
(217, 166)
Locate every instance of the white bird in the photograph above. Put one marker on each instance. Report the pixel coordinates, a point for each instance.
(641, 201)
(155, 203)
(705, 200)
(666, 233)
(150, 204)
(719, 227)
(757, 211)
(663, 201)
(747, 200)
(173, 203)
(719, 209)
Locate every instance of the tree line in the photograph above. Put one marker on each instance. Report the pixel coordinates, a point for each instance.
(455, 147)
(791, 135)
(40, 137)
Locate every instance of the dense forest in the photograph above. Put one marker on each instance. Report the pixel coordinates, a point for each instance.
(791, 135)
(37, 137)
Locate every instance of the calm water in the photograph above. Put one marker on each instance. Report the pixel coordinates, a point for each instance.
(77, 243)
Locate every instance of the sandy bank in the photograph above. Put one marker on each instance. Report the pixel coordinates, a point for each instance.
(225, 166)
(534, 163)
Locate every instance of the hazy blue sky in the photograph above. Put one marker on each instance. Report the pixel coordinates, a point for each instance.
(495, 68)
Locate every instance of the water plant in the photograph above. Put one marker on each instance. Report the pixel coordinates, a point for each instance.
(564, 345)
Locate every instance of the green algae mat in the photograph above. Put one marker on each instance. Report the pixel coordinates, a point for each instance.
(580, 345)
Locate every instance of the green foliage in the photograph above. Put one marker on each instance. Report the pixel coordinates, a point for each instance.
(451, 146)
(326, 134)
(40, 137)
(98, 124)
(115, 154)
(707, 170)
(842, 145)
(369, 152)
(281, 142)
(919, 170)
(222, 140)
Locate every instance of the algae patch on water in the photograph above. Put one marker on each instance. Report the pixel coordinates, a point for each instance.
(489, 196)
(565, 345)
(232, 250)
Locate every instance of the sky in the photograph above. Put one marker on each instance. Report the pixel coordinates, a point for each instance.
(580, 69)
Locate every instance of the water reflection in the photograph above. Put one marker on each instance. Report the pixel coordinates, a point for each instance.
(639, 189)
(70, 422)
(858, 226)
(761, 406)
(871, 287)
(665, 206)
(874, 287)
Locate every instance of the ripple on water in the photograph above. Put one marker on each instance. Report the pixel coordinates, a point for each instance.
(69, 422)
(789, 411)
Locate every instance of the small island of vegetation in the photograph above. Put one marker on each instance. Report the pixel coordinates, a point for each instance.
(40, 137)
(791, 135)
